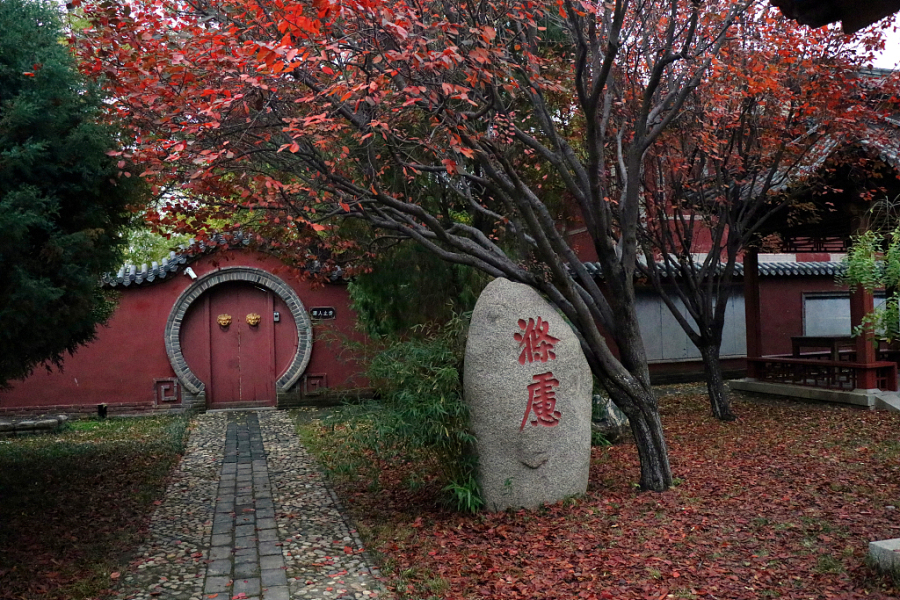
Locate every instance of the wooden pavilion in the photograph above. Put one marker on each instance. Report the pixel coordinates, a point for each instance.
(842, 368)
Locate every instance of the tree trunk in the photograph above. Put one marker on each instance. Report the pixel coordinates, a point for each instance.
(656, 474)
(633, 393)
(719, 400)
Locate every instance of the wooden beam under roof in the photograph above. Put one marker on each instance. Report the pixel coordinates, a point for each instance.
(853, 14)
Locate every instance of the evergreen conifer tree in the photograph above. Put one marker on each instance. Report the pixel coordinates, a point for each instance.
(62, 198)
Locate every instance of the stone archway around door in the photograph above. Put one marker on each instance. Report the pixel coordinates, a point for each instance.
(194, 390)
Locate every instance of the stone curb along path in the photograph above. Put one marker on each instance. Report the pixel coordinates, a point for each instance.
(247, 515)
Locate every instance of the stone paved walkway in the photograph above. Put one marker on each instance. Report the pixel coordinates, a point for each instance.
(248, 515)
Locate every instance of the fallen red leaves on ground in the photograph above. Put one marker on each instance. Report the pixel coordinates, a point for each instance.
(780, 504)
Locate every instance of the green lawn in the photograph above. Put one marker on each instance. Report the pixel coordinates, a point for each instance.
(75, 503)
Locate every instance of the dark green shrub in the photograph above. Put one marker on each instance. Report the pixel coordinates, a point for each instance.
(63, 199)
(408, 287)
(420, 414)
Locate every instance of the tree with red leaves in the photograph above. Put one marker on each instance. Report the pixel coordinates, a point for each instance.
(750, 144)
(461, 126)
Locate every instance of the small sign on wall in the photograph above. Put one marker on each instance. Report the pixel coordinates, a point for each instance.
(322, 313)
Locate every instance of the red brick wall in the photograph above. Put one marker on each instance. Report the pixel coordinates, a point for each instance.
(120, 366)
(781, 308)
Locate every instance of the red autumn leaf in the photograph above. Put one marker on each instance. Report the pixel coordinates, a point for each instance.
(450, 165)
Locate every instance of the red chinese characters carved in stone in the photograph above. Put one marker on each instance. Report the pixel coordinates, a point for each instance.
(535, 341)
(542, 401)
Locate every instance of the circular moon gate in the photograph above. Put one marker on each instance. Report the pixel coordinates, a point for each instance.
(189, 381)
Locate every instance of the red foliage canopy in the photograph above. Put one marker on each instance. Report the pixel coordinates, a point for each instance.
(468, 128)
(462, 127)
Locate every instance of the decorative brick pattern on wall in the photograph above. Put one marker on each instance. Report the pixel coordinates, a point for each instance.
(167, 391)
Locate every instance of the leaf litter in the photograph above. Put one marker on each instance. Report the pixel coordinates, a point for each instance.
(779, 504)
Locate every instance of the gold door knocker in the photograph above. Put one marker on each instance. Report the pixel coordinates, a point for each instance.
(224, 320)
(253, 319)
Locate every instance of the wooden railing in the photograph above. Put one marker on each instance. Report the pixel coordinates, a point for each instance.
(827, 374)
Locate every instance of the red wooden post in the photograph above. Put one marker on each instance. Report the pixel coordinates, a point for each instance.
(205, 345)
(752, 309)
(862, 302)
(269, 319)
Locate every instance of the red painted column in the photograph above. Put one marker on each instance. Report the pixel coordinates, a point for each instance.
(862, 302)
(752, 308)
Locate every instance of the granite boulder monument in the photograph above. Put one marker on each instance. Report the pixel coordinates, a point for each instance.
(528, 387)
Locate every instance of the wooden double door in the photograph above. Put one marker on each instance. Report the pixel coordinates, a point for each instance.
(229, 342)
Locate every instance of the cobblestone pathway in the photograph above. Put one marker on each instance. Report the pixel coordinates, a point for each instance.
(247, 515)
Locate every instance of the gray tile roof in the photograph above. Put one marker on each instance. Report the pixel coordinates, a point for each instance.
(131, 275)
(882, 141)
(796, 269)
(767, 269)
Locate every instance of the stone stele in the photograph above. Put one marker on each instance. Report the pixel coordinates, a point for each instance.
(528, 387)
